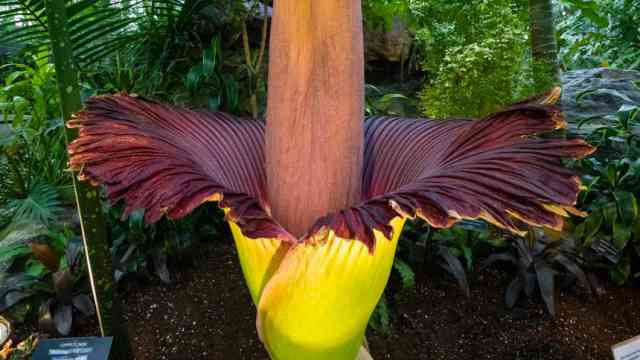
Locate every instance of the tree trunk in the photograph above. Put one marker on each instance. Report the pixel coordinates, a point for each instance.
(543, 43)
(314, 135)
(92, 222)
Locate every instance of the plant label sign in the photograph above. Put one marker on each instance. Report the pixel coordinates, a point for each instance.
(85, 348)
(627, 350)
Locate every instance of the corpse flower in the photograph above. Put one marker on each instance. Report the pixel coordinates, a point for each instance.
(316, 282)
(315, 293)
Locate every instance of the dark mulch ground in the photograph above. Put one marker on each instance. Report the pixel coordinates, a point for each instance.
(208, 314)
(435, 323)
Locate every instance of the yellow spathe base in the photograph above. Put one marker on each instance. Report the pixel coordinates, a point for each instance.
(314, 300)
(259, 259)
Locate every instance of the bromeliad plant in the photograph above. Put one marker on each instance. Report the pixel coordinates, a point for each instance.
(49, 268)
(56, 314)
(315, 199)
(539, 260)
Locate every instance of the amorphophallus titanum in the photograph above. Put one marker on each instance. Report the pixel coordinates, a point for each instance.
(315, 199)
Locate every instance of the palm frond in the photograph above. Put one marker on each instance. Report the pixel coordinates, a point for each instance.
(41, 206)
(28, 19)
(96, 29)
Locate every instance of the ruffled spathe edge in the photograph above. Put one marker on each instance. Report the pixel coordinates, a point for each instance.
(168, 161)
(495, 169)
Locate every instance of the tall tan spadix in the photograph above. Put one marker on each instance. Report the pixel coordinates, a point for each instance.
(314, 136)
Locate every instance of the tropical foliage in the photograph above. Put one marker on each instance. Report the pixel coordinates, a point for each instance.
(612, 179)
(475, 57)
(599, 33)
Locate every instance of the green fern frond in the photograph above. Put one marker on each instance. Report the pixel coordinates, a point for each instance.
(406, 274)
(381, 318)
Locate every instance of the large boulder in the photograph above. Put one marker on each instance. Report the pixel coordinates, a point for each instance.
(388, 44)
(595, 94)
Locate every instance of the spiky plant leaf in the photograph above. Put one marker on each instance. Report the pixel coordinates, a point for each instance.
(513, 292)
(546, 283)
(455, 268)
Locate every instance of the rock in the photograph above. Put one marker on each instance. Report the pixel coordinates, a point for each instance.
(5, 330)
(249, 5)
(391, 45)
(596, 93)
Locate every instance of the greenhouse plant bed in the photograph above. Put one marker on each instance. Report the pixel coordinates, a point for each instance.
(207, 314)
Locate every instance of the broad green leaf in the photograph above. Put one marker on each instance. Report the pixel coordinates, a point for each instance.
(231, 91)
(579, 230)
(195, 77)
(620, 273)
(612, 175)
(628, 113)
(636, 230)
(610, 213)
(214, 103)
(381, 317)
(621, 234)
(627, 206)
(468, 256)
(591, 226)
(35, 269)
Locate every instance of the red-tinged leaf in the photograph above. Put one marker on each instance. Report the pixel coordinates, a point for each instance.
(13, 297)
(159, 257)
(529, 281)
(45, 317)
(512, 294)
(454, 267)
(168, 160)
(46, 255)
(506, 257)
(63, 285)
(545, 275)
(84, 304)
(494, 169)
(63, 318)
(573, 268)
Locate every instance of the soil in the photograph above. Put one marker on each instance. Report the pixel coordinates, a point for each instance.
(435, 322)
(208, 314)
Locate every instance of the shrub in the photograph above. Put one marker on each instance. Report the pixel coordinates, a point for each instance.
(599, 33)
(612, 181)
(472, 53)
